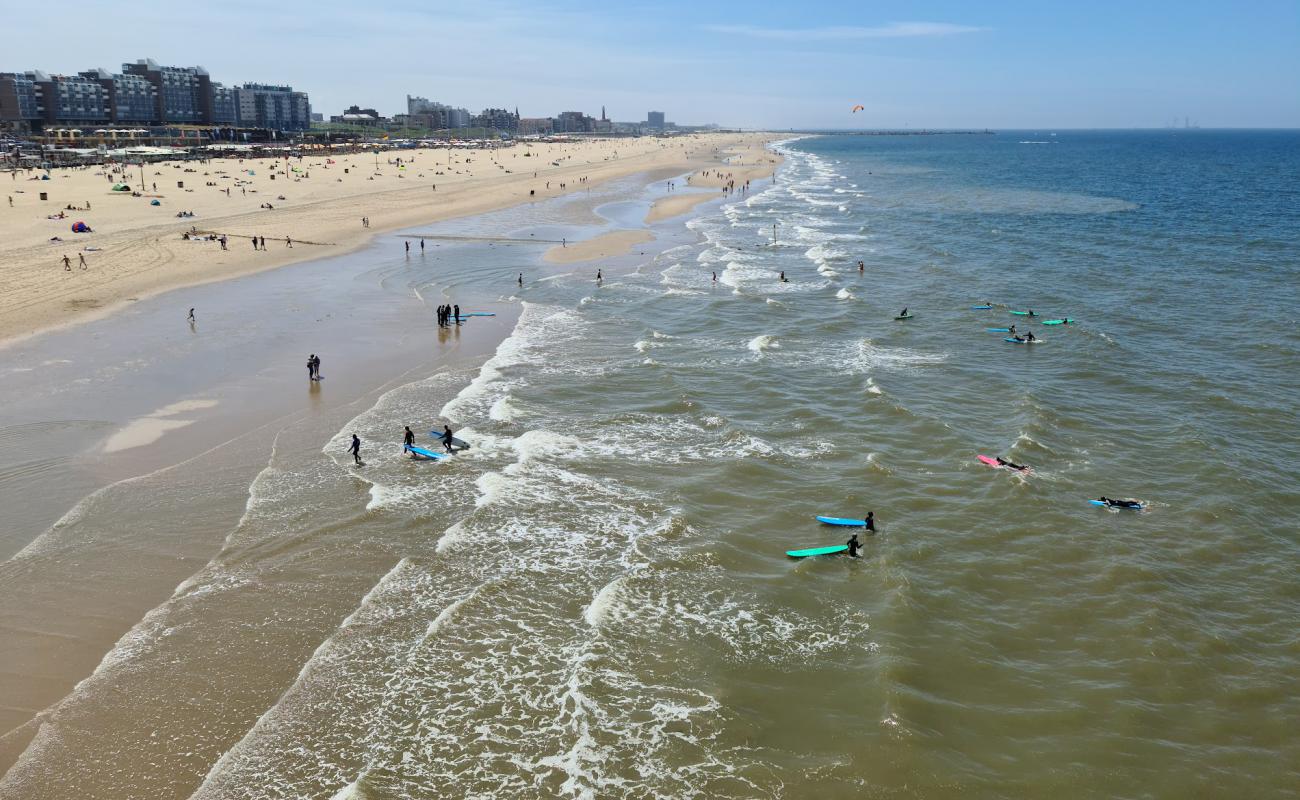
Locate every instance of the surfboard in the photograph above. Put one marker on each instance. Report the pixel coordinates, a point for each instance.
(1066, 321)
(999, 330)
(1021, 341)
(981, 308)
(905, 316)
(1138, 507)
(420, 451)
(992, 462)
(457, 444)
(852, 523)
(478, 314)
(1023, 314)
(817, 551)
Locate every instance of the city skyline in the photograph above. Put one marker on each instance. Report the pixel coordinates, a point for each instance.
(933, 64)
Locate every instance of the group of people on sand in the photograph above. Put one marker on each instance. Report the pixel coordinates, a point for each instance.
(448, 313)
(313, 366)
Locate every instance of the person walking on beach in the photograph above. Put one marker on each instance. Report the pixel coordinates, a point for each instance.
(288, 242)
(421, 245)
(190, 318)
(67, 266)
(263, 242)
(355, 450)
(81, 257)
(255, 243)
(311, 367)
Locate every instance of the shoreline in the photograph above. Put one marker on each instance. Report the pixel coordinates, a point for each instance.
(41, 302)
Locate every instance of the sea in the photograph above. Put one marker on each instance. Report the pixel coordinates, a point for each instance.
(595, 600)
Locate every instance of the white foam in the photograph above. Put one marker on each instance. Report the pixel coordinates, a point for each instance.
(763, 342)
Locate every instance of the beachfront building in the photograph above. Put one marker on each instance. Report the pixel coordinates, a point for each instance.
(497, 118)
(574, 122)
(21, 103)
(145, 94)
(182, 95)
(654, 120)
(277, 108)
(131, 99)
(536, 126)
(355, 115)
(423, 112)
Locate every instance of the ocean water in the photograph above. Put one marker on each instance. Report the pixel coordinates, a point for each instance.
(594, 601)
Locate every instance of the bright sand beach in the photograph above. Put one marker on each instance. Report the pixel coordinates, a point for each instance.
(136, 249)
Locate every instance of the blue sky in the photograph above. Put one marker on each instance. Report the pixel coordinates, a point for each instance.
(759, 64)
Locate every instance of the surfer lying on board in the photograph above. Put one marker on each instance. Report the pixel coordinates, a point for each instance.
(1120, 503)
(854, 545)
(1003, 462)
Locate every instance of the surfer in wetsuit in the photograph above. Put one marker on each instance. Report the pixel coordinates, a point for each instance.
(1029, 336)
(870, 522)
(408, 438)
(599, 277)
(445, 438)
(783, 280)
(1005, 463)
(861, 267)
(1012, 330)
(311, 367)
(903, 313)
(854, 545)
(1120, 503)
(355, 449)
(457, 314)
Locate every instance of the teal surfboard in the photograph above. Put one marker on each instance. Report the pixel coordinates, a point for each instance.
(1023, 314)
(1057, 321)
(852, 523)
(420, 451)
(817, 551)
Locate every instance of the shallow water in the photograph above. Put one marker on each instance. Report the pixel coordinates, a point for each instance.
(594, 600)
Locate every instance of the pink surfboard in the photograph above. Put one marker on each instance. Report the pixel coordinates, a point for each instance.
(992, 462)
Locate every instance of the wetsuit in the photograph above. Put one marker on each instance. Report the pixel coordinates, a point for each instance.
(409, 438)
(870, 522)
(355, 450)
(854, 546)
(445, 438)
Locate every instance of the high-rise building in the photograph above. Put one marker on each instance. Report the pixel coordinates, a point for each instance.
(132, 99)
(574, 122)
(497, 118)
(277, 108)
(183, 94)
(22, 106)
(654, 120)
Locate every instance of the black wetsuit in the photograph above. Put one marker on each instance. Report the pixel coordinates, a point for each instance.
(854, 546)
(409, 438)
(445, 438)
(355, 450)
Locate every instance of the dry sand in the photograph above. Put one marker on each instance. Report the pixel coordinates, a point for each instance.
(141, 252)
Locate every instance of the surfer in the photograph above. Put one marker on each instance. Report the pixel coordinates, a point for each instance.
(1029, 336)
(861, 267)
(903, 313)
(1031, 313)
(854, 545)
(599, 277)
(1012, 330)
(355, 449)
(870, 522)
(315, 367)
(715, 277)
(408, 438)
(783, 280)
(445, 438)
(1120, 503)
(457, 313)
(521, 279)
(1003, 462)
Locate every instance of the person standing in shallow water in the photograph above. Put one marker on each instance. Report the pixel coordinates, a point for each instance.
(408, 438)
(311, 367)
(355, 450)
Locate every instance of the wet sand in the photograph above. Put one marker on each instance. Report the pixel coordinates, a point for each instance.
(606, 245)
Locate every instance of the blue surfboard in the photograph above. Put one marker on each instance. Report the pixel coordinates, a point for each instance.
(420, 451)
(981, 308)
(852, 523)
(999, 330)
(817, 551)
(478, 314)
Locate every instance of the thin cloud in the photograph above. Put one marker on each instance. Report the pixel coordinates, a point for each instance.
(892, 30)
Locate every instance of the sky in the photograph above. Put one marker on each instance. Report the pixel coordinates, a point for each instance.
(773, 65)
